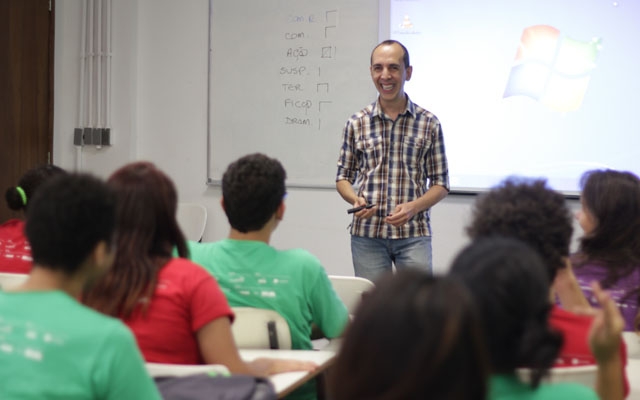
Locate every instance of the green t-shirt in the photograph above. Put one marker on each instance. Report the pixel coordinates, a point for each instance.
(291, 282)
(509, 387)
(52, 347)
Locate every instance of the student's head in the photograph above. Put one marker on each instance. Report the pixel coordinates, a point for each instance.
(413, 337)
(527, 210)
(510, 285)
(70, 224)
(19, 197)
(252, 192)
(610, 216)
(147, 232)
(147, 205)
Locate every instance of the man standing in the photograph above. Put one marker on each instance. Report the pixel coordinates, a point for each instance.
(394, 151)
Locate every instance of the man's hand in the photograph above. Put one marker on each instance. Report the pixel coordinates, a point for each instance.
(401, 214)
(365, 212)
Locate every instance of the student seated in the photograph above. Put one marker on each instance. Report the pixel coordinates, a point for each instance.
(51, 346)
(15, 253)
(174, 307)
(254, 274)
(415, 337)
(529, 211)
(609, 251)
(510, 285)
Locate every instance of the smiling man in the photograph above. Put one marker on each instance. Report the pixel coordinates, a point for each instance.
(393, 151)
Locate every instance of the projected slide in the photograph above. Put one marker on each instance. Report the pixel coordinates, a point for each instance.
(539, 88)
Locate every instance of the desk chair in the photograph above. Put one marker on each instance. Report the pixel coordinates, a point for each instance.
(584, 375)
(157, 370)
(192, 219)
(350, 290)
(259, 328)
(632, 340)
(8, 280)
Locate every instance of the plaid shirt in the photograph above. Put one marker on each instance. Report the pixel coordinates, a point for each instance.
(394, 162)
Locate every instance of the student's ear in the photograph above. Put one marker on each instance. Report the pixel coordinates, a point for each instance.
(222, 204)
(102, 256)
(280, 211)
(409, 71)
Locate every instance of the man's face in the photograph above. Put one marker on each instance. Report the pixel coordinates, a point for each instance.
(389, 73)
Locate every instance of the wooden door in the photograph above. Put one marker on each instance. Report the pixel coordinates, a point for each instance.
(26, 90)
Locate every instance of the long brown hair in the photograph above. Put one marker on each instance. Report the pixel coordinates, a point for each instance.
(613, 197)
(146, 233)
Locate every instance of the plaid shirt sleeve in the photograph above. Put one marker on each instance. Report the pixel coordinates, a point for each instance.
(347, 162)
(437, 165)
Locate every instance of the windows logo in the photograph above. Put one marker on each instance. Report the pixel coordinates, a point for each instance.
(551, 68)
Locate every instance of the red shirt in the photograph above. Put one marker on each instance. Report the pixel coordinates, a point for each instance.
(15, 252)
(186, 298)
(575, 349)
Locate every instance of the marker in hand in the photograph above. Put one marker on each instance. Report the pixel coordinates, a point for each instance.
(356, 209)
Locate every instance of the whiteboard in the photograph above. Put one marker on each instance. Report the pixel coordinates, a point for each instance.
(284, 77)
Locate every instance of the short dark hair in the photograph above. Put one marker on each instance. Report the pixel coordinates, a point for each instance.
(68, 216)
(29, 183)
(413, 337)
(613, 198)
(510, 285)
(252, 190)
(527, 210)
(405, 56)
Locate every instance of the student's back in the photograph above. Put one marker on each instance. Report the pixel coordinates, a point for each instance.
(52, 347)
(291, 282)
(254, 274)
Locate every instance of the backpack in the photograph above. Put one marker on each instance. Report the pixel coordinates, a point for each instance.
(215, 387)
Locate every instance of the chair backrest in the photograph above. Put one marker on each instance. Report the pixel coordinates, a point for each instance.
(192, 219)
(8, 280)
(585, 375)
(350, 289)
(159, 369)
(259, 328)
(632, 340)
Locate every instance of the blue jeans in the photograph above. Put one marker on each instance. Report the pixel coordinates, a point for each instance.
(373, 256)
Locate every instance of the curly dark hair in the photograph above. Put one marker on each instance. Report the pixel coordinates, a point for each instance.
(508, 280)
(252, 190)
(530, 211)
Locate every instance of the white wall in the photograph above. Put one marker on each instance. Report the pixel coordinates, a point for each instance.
(160, 112)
